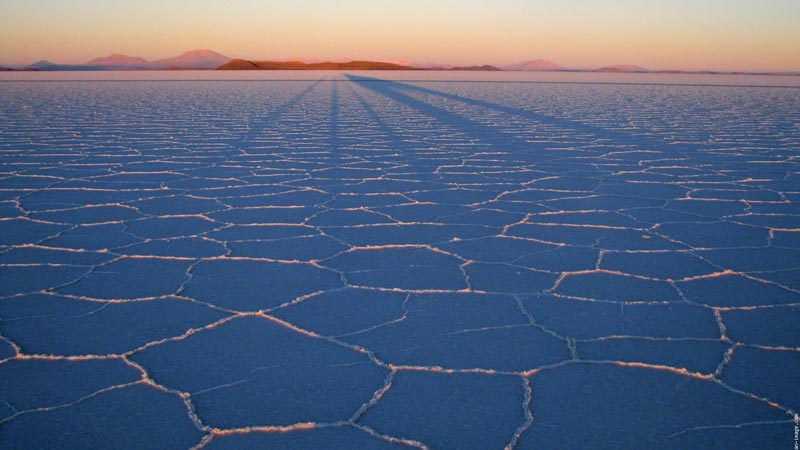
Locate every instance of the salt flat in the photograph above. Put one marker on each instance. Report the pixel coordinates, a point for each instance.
(356, 262)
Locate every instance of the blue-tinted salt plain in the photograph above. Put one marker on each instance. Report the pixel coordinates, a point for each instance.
(354, 262)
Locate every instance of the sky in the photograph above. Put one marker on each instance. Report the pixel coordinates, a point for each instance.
(656, 34)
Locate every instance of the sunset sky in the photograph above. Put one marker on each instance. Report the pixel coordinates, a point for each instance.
(680, 34)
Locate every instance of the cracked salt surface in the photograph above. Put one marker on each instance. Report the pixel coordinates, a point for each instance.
(354, 262)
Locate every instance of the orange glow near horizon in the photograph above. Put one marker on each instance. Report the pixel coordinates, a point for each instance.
(687, 35)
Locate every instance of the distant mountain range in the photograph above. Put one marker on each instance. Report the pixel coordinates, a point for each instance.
(193, 59)
(40, 64)
(623, 69)
(243, 64)
(204, 59)
(534, 65)
(484, 68)
(117, 60)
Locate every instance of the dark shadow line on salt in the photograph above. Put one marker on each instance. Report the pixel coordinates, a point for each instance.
(473, 130)
(392, 89)
(272, 116)
(382, 125)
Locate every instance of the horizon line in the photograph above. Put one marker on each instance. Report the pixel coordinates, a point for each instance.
(403, 62)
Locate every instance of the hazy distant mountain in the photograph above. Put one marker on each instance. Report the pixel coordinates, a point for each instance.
(40, 65)
(484, 68)
(193, 59)
(117, 60)
(208, 59)
(242, 64)
(432, 66)
(623, 68)
(47, 66)
(534, 65)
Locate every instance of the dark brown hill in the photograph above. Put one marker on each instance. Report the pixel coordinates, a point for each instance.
(485, 68)
(242, 64)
